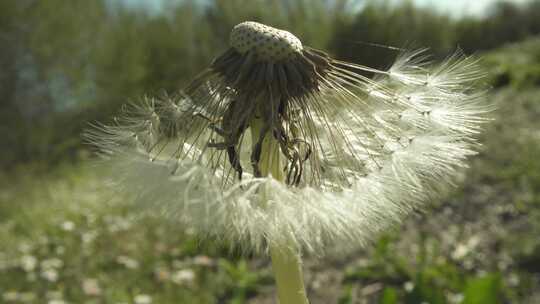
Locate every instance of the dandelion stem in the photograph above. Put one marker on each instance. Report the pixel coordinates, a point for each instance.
(286, 261)
(288, 273)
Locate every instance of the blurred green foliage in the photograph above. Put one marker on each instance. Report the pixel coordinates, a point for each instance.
(64, 64)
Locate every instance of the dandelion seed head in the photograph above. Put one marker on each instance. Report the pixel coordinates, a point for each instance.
(352, 155)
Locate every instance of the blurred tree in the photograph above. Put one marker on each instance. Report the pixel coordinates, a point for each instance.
(44, 69)
(314, 20)
(506, 22)
(383, 23)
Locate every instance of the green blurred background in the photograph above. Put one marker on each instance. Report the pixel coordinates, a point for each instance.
(66, 239)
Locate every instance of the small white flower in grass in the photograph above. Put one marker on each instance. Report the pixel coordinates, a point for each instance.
(28, 263)
(127, 262)
(203, 260)
(183, 277)
(142, 299)
(278, 145)
(68, 226)
(11, 296)
(455, 297)
(91, 287)
(50, 275)
(88, 237)
(408, 286)
(52, 263)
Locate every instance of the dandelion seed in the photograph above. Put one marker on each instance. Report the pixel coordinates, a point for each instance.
(278, 145)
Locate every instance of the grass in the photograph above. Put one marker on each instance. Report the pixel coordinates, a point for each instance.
(65, 239)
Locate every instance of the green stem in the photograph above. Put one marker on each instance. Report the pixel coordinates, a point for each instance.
(287, 268)
(286, 261)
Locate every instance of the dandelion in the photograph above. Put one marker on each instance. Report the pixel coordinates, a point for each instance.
(281, 149)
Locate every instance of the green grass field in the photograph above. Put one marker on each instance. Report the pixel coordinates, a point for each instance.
(65, 238)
